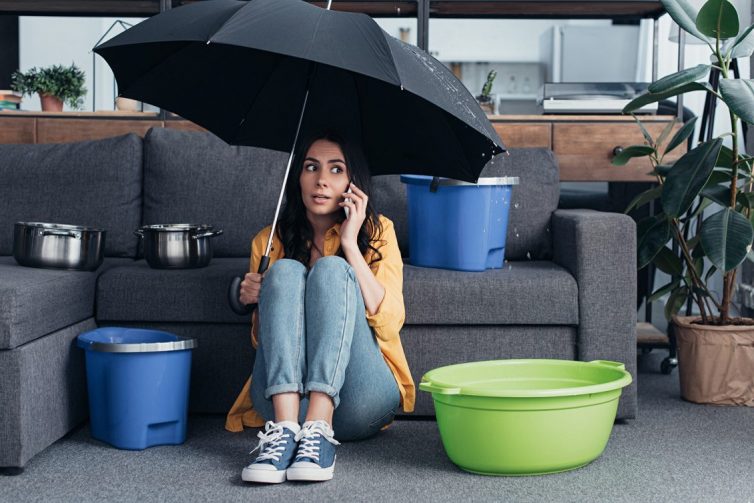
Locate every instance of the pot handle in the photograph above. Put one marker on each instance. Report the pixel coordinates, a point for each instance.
(56, 232)
(139, 233)
(207, 234)
(608, 363)
(428, 386)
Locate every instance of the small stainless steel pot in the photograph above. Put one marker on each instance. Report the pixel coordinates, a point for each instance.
(177, 246)
(58, 246)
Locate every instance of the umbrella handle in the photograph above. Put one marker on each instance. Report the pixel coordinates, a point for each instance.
(234, 291)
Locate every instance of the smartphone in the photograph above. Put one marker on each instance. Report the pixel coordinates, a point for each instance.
(348, 199)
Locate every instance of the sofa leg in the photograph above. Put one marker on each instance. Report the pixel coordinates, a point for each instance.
(11, 470)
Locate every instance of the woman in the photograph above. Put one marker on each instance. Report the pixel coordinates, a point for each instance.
(329, 360)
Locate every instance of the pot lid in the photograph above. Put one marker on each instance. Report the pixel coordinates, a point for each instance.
(176, 227)
(65, 227)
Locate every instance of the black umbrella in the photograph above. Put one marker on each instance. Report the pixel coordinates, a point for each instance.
(257, 72)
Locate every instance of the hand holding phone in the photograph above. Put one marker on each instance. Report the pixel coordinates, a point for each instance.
(348, 199)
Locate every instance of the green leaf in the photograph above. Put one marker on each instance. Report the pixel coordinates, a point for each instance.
(666, 132)
(739, 96)
(668, 262)
(644, 198)
(662, 170)
(663, 290)
(712, 270)
(633, 151)
(684, 14)
(746, 199)
(679, 78)
(647, 98)
(719, 176)
(653, 233)
(726, 238)
(718, 193)
(725, 159)
(706, 203)
(647, 137)
(675, 302)
(743, 47)
(682, 134)
(718, 18)
(688, 176)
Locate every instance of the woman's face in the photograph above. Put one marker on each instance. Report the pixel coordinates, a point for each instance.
(324, 178)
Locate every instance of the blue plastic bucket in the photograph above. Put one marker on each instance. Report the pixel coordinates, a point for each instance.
(460, 226)
(138, 383)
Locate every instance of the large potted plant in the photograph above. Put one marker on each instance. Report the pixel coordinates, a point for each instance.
(707, 213)
(55, 84)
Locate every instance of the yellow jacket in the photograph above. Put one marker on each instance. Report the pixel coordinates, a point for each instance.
(386, 322)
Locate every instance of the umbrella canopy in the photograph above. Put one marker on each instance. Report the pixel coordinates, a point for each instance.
(242, 69)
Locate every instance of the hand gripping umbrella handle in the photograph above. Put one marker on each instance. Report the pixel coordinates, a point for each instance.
(234, 292)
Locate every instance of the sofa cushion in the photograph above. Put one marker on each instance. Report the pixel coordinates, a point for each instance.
(35, 302)
(136, 292)
(522, 293)
(529, 293)
(93, 183)
(195, 177)
(532, 201)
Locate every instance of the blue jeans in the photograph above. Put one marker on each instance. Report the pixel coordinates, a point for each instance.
(313, 336)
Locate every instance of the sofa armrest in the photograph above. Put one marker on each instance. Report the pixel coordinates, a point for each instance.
(599, 250)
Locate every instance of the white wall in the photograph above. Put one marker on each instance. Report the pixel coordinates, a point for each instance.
(45, 41)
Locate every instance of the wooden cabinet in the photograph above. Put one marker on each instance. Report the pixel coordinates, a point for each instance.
(583, 145)
(586, 145)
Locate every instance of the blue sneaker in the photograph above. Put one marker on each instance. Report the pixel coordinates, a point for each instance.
(315, 458)
(277, 446)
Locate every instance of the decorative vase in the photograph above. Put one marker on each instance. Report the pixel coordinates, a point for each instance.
(51, 103)
(127, 104)
(487, 106)
(715, 363)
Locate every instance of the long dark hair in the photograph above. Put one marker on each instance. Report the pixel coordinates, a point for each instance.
(294, 229)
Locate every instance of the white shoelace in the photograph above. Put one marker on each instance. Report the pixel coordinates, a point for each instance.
(309, 446)
(271, 442)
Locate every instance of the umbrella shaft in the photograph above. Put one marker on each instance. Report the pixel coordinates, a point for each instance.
(287, 171)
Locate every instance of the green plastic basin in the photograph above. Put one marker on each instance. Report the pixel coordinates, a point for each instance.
(525, 417)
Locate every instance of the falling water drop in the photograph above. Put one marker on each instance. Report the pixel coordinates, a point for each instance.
(516, 205)
(528, 255)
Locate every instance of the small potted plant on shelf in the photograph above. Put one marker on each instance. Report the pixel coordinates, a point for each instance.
(486, 99)
(56, 84)
(714, 347)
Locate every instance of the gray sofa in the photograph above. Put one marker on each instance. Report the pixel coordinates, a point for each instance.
(567, 290)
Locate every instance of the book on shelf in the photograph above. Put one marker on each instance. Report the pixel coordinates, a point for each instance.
(12, 96)
(8, 105)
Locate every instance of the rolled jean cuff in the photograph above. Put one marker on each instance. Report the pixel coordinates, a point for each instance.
(283, 388)
(326, 389)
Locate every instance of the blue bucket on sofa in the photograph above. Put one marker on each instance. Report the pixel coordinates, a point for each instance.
(138, 382)
(458, 225)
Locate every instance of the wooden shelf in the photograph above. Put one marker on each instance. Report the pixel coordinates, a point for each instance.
(88, 115)
(584, 145)
(648, 334)
(532, 9)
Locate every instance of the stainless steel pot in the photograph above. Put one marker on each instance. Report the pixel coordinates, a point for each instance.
(58, 246)
(177, 246)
